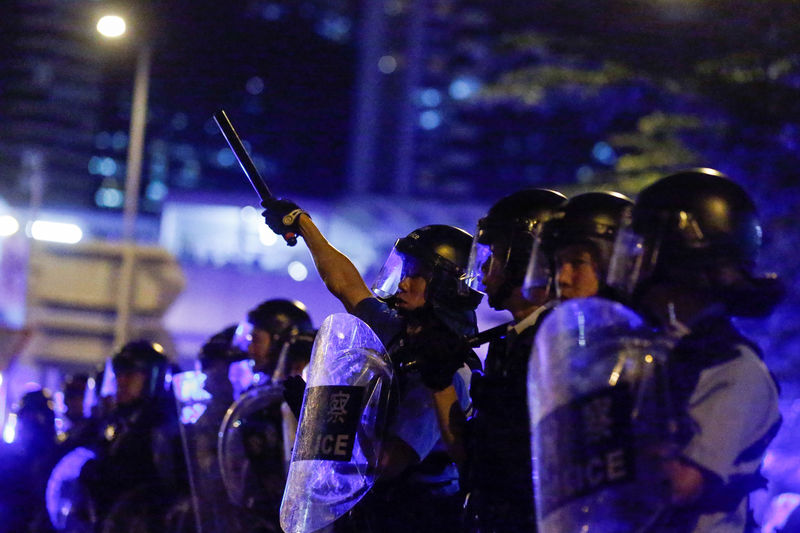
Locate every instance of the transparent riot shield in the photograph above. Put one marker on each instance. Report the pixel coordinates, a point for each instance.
(255, 416)
(600, 419)
(338, 443)
(68, 502)
(202, 401)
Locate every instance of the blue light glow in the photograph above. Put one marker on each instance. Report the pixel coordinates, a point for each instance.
(387, 64)
(156, 191)
(604, 153)
(430, 97)
(102, 141)
(272, 12)
(119, 141)
(104, 166)
(109, 197)
(463, 87)
(429, 120)
(334, 27)
(225, 158)
(179, 122)
(255, 85)
(584, 174)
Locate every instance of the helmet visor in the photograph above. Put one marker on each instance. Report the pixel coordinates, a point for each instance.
(631, 261)
(539, 274)
(388, 279)
(481, 261)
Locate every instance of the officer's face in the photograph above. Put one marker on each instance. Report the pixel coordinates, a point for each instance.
(411, 293)
(130, 386)
(493, 270)
(576, 272)
(259, 349)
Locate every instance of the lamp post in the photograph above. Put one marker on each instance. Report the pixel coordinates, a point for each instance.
(113, 27)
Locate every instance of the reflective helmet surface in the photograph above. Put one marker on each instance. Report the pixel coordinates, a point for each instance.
(280, 317)
(697, 218)
(220, 348)
(592, 218)
(699, 215)
(145, 357)
(439, 253)
(504, 237)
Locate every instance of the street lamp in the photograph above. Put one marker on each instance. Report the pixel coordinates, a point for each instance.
(113, 26)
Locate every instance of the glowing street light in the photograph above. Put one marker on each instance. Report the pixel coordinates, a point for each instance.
(111, 26)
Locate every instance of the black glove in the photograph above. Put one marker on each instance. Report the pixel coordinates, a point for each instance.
(438, 353)
(283, 217)
(294, 388)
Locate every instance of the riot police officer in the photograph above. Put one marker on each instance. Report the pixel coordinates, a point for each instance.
(25, 463)
(686, 260)
(139, 470)
(499, 462)
(277, 335)
(421, 314)
(268, 334)
(578, 240)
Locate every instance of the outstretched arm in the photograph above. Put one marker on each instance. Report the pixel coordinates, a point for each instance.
(285, 217)
(337, 271)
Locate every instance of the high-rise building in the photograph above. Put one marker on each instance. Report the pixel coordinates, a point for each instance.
(420, 61)
(49, 91)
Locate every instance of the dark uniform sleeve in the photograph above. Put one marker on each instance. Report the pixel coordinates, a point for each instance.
(383, 320)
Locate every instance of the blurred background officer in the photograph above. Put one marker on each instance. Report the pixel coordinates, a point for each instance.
(25, 464)
(423, 313)
(687, 261)
(278, 335)
(79, 425)
(139, 470)
(268, 334)
(499, 453)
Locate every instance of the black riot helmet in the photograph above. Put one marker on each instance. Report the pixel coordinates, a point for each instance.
(504, 239)
(440, 254)
(219, 348)
(282, 319)
(35, 413)
(591, 219)
(699, 229)
(149, 359)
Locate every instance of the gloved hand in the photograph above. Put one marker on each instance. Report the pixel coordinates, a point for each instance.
(294, 387)
(283, 217)
(438, 354)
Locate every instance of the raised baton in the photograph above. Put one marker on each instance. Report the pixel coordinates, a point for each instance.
(249, 168)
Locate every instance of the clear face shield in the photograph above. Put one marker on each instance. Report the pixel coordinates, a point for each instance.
(485, 260)
(631, 261)
(539, 274)
(397, 266)
(635, 256)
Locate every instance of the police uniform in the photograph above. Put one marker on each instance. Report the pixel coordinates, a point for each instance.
(426, 496)
(501, 490)
(728, 403)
